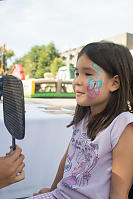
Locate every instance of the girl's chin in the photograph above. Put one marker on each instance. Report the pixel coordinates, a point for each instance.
(84, 102)
(83, 105)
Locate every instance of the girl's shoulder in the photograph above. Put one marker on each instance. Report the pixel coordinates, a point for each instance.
(124, 116)
(83, 122)
(118, 125)
(122, 119)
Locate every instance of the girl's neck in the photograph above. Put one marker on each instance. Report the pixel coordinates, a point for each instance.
(94, 110)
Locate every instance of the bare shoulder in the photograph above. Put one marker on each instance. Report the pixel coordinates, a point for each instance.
(129, 128)
(122, 165)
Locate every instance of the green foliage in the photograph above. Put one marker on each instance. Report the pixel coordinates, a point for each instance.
(28, 65)
(47, 56)
(9, 54)
(55, 65)
(40, 59)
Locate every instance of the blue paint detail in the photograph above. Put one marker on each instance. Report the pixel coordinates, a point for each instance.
(99, 83)
(94, 66)
(93, 83)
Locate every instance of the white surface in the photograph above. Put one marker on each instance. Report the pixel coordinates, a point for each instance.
(45, 142)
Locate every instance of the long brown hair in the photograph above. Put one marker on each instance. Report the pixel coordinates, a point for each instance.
(115, 60)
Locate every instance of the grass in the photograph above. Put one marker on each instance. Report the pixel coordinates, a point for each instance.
(51, 95)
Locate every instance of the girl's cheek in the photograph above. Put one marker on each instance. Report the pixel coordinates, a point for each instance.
(93, 88)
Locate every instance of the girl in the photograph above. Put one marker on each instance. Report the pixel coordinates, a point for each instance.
(98, 163)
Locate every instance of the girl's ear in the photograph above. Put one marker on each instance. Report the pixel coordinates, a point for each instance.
(115, 83)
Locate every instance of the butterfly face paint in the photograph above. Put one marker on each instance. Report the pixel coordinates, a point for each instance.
(93, 87)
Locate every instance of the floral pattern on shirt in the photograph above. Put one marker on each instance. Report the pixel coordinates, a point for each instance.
(80, 161)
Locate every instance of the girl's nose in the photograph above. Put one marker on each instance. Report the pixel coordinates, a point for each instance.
(77, 81)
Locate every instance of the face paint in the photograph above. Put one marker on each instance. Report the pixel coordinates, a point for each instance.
(99, 72)
(93, 87)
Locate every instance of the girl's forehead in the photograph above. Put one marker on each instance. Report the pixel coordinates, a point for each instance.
(84, 60)
(84, 63)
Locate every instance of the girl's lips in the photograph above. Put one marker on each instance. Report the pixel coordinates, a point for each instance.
(79, 93)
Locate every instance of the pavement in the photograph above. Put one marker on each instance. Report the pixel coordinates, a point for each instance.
(67, 103)
(54, 105)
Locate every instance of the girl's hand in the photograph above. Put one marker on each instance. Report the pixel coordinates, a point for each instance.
(44, 190)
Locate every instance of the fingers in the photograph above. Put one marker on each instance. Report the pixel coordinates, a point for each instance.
(44, 190)
(10, 152)
(15, 161)
(15, 154)
(20, 168)
(12, 167)
(18, 164)
(19, 177)
(14, 179)
(35, 194)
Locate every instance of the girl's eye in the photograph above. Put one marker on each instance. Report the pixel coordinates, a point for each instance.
(76, 74)
(88, 74)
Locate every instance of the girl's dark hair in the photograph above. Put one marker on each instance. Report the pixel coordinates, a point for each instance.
(115, 60)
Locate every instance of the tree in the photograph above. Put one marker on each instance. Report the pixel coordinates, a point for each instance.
(34, 55)
(39, 59)
(47, 56)
(28, 67)
(43, 64)
(55, 65)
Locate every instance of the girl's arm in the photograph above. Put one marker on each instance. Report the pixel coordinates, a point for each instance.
(122, 167)
(58, 177)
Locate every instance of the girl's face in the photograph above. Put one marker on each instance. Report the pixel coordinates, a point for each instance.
(92, 84)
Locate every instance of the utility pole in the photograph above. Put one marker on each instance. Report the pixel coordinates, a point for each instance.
(3, 57)
(2, 68)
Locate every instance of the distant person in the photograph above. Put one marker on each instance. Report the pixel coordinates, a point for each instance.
(98, 163)
(11, 168)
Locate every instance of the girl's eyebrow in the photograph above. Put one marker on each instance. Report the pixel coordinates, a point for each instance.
(85, 68)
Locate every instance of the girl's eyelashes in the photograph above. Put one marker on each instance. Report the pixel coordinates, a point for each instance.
(87, 74)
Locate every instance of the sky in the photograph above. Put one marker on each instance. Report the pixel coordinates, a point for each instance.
(68, 23)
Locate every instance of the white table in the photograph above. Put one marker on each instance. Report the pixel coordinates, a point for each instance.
(44, 145)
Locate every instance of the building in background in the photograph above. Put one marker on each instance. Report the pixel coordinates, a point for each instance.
(66, 73)
(125, 39)
(70, 56)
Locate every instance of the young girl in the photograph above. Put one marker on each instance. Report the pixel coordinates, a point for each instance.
(98, 163)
